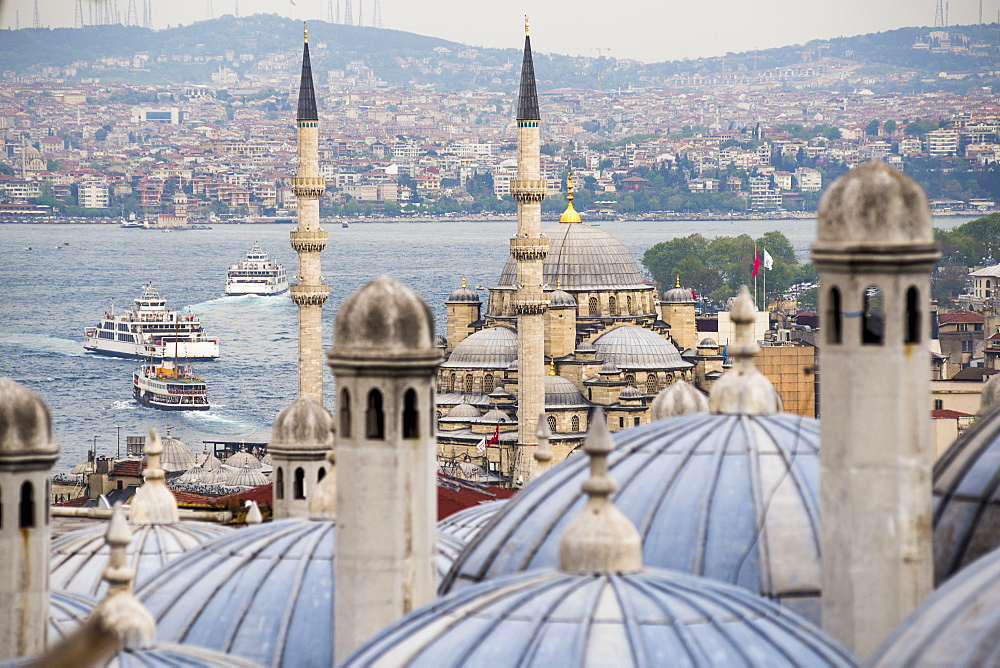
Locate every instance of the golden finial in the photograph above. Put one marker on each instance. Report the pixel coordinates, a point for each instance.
(305, 33)
(525, 24)
(558, 282)
(569, 186)
(570, 215)
(463, 280)
(677, 284)
(552, 367)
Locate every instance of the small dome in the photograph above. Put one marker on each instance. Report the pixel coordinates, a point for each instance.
(629, 392)
(448, 550)
(708, 342)
(586, 347)
(302, 427)
(560, 299)
(632, 347)
(78, 558)
(500, 392)
(176, 456)
(491, 348)
(25, 425)
(247, 477)
(724, 496)
(241, 459)
(464, 410)
(552, 618)
(208, 461)
(495, 415)
(874, 204)
(678, 295)
(560, 392)
(464, 295)
(678, 398)
(383, 316)
(266, 460)
(609, 368)
(465, 524)
(195, 474)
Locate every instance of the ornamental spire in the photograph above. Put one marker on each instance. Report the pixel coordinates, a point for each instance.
(527, 103)
(570, 215)
(307, 95)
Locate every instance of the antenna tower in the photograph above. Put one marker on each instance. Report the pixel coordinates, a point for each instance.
(329, 11)
(377, 14)
(348, 16)
(361, 12)
(980, 12)
(939, 14)
(131, 16)
(236, 11)
(36, 22)
(78, 20)
(336, 17)
(209, 11)
(147, 14)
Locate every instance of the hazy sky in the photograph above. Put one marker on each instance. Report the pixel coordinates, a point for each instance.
(649, 30)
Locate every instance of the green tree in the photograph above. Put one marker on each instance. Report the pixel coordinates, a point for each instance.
(889, 126)
(52, 165)
(6, 169)
(872, 128)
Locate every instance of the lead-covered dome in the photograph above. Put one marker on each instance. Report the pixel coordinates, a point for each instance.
(678, 295)
(463, 411)
(734, 498)
(632, 347)
(582, 258)
(562, 393)
(25, 426)
(561, 299)
(176, 455)
(464, 296)
(491, 348)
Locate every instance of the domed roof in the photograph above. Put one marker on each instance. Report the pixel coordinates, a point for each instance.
(463, 410)
(195, 474)
(464, 295)
(678, 398)
(490, 348)
(632, 347)
(382, 317)
(208, 461)
(78, 558)
(25, 425)
(552, 618)
(957, 625)
(247, 477)
(678, 295)
(176, 455)
(465, 524)
(448, 549)
(495, 415)
(561, 392)
(705, 493)
(302, 428)
(629, 392)
(583, 258)
(585, 346)
(561, 298)
(708, 342)
(242, 458)
(265, 460)
(66, 613)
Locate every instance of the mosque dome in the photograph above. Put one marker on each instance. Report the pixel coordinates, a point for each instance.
(561, 299)
(553, 618)
(632, 347)
(25, 425)
(266, 460)
(629, 392)
(247, 477)
(78, 558)
(208, 461)
(678, 295)
(495, 415)
(957, 625)
(66, 613)
(582, 258)
(195, 474)
(382, 317)
(466, 523)
(705, 493)
(464, 296)
(560, 392)
(302, 428)
(586, 347)
(448, 549)
(464, 411)
(176, 455)
(243, 458)
(708, 342)
(491, 348)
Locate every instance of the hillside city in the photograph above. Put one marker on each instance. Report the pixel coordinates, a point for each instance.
(82, 140)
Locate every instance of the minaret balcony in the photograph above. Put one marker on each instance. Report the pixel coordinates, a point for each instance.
(526, 250)
(309, 295)
(308, 187)
(527, 190)
(308, 241)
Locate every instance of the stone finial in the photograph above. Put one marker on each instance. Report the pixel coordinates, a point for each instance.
(153, 503)
(874, 204)
(323, 500)
(25, 425)
(679, 398)
(600, 539)
(543, 453)
(253, 514)
(990, 395)
(743, 390)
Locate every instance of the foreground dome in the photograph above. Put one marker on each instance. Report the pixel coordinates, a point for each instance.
(491, 348)
(582, 258)
(632, 347)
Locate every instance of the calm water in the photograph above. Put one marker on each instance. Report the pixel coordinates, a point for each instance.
(48, 295)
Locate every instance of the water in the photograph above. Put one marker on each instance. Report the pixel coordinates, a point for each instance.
(48, 295)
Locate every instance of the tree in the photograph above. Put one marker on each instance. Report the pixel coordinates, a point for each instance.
(6, 169)
(889, 126)
(52, 165)
(872, 128)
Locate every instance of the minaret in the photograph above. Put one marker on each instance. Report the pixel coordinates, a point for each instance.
(528, 248)
(308, 239)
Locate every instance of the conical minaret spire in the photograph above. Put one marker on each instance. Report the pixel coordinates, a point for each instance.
(308, 239)
(528, 249)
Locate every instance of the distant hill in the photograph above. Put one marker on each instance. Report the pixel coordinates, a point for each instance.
(403, 58)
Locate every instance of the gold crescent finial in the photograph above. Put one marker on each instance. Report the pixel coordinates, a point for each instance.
(678, 283)
(569, 186)
(526, 24)
(463, 280)
(552, 367)
(558, 282)
(305, 33)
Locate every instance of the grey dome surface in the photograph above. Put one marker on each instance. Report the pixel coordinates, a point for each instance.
(561, 392)
(733, 498)
(582, 257)
(967, 497)
(586, 347)
(466, 523)
(957, 625)
(678, 295)
(708, 342)
(25, 425)
(195, 474)
(629, 392)
(208, 461)
(491, 348)
(463, 410)
(652, 618)
(560, 298)
(448, 549)
(302, 426)
(247, 477)
(176, 455)
(495, 415)
(632, 347)
(464, 295)
(162, 655)
(78, 558)
(241, 459)
(66, 613)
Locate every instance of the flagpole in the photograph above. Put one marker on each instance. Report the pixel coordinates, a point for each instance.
(755, 257)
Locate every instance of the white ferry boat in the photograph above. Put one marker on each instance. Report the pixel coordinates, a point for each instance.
(256, 275)
(149, 328)
(169, 386)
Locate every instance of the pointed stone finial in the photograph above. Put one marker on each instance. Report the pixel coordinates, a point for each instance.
(600, 539)
(679, 398)
(153, 503)
(543, 453)
(743, 390)
(120, 612)
(990, 395)
(253, 514)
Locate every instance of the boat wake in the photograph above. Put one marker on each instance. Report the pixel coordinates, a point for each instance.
(124, 405)
(43, 344)
(215, 422)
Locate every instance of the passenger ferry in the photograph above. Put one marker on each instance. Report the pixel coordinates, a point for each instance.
(147, 329)
(256, 275)
(169, 386)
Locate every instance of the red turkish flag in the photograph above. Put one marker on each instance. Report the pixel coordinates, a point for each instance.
(756, 263)
(495, 438)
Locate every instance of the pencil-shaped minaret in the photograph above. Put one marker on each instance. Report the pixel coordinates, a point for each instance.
(528, 249)
(308, 239)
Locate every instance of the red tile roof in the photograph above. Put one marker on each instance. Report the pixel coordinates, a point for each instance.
(948, 413)
(131, 467)
(262, 495)
(455, 494)
(959, 317)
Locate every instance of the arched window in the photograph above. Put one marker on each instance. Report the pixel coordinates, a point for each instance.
(834, 316)
(468, 383)
(487, 383)
(988, 283)
(27, 507)
(612, 305)
(321, 474)
(411, 418)
(593, 306)
(630, 379)
(551, 419)
(873, 327)
(913, 316)
(574, 424)
(279, 483)
(375, 416)
(651, 384)
(299, 486)
(345, 413)
(1, 507)
(628, 304)
(454, 383)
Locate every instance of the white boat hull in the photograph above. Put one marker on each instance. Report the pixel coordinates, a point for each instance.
(236, 289)
(197, 350)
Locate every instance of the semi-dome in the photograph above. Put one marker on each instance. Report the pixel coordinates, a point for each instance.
(491, 348)
(25, 425)
(176, 455)
(632, 347)
(734, 498)
(463, 411)
(582, 258)
(560, 392)
(247, 477)
(553, 618)
(241, 459)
